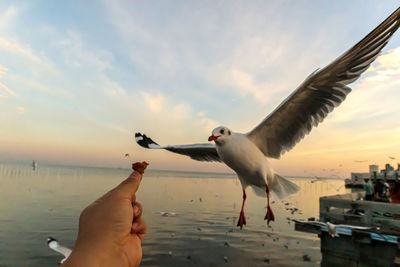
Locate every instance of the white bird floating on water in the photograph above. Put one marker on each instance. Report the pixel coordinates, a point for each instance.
(54, 245)
(167, 213)
(306, 107)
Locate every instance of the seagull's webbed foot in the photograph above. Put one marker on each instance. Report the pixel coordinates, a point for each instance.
(242, 220)
(270, 215)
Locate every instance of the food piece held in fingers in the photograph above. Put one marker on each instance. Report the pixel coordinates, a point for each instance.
(140, 166)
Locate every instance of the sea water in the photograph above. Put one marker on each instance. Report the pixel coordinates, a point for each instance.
(35, 204)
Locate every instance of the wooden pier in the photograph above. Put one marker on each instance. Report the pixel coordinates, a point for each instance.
(376, 247)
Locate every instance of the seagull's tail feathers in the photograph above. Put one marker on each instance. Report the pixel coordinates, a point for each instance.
(282, 187)
(279, 187)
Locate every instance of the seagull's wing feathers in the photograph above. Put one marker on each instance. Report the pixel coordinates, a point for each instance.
(318, 223)
(355, 227)
(201, 152)
(320, 93)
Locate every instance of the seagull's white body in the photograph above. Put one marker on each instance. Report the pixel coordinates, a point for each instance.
(251, 165)
(246, 159)
(243, 156)
(294, 118)
(332, 229)
(54, 245)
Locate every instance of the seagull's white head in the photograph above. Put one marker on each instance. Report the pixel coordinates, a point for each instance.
(220, 135)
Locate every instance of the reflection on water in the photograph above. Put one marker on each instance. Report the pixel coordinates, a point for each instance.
(47, 202)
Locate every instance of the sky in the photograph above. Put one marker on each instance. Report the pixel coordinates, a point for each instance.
(78, 78)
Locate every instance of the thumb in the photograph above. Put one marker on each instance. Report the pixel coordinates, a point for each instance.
(130, 185)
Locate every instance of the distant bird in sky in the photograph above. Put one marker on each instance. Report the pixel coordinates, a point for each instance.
(391, 157)
(306, 107)
(360, 161)
(54, 245)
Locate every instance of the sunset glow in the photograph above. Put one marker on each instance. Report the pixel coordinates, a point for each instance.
(77, 79)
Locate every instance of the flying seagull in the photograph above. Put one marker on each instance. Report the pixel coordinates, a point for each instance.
(54, 245)
(280, 131)
(360, 161)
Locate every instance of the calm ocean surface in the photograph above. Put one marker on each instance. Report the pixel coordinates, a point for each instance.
(48, 201)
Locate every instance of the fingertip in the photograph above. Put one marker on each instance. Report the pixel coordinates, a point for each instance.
(129, 186)
(135, 176)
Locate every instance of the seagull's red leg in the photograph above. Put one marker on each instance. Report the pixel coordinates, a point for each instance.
(269, 216)
(242, 218)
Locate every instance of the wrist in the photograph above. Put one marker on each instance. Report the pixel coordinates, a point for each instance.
(83, 256)
(78, 259)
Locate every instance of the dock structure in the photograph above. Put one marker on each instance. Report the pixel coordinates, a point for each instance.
(378, 246)
(388, 174)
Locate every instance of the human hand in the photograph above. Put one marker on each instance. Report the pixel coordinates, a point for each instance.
(111, 229)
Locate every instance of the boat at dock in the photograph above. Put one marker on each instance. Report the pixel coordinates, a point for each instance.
(355, 232)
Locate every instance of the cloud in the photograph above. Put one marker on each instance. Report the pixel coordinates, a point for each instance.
(109, 87)
(206, 123)
(21, 110)
(8, 90)
(3, 70)
(171, 120)
(154, 102)
(374, 96)
(7, 16)
(12, 46)
(76, 54)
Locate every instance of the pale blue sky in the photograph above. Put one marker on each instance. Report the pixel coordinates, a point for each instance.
(78, 78)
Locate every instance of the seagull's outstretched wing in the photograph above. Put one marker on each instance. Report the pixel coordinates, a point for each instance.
(355, 227)
(320, 93)
(201, 152)
(318, 223)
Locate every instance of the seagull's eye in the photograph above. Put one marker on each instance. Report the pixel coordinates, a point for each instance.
(222, 131)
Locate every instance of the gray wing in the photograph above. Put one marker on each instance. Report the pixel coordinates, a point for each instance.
(320, 93)
(201, 152)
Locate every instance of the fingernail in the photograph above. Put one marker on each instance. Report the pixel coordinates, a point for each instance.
(135, 225)
(136, 210)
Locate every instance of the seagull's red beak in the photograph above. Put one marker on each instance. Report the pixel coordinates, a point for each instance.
(212, 138)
